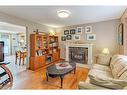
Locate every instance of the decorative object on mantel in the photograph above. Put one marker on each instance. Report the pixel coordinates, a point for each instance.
(91, 36)
(77, 37)
(63, 38)
(66, 32)
(69, 37)
(88, 29)
(72, 31)
(120, 34)
(79, 30)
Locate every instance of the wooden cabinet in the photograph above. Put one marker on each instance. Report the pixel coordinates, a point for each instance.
(53, 48)
(56, 55)
(43, 46)
(37, 62)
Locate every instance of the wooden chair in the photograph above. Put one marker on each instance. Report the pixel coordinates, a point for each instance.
(21, 56)
(17, 56)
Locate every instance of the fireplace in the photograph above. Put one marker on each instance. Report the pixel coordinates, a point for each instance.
(78, 55)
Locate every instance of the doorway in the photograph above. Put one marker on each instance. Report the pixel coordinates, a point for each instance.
(14, 38)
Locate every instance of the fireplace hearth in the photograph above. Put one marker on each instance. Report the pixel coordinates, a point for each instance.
(78, 55)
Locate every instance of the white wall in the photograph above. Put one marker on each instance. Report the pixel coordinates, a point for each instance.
(31, 26)
(106, 36)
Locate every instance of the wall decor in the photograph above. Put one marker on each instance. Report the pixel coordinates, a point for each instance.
(120, 34)
(72, 31)
(79, 30)
(63, 38)
(91, 36)
(88, 29)
(66, 32)
(69, 37)
(77, 37)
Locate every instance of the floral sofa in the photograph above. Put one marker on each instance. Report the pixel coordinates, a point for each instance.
(109, 73)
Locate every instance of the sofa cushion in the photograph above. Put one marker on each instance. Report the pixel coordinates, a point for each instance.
(108, 83)
(103, 59)
(84, 85)
(122, 71)
(100, 73)
(118, 66)
(123, 76)
(101, 67)
(116, 58)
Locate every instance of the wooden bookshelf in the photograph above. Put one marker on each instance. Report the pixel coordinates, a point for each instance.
(42, 47)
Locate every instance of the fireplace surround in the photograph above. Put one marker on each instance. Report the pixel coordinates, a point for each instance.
(80, 53)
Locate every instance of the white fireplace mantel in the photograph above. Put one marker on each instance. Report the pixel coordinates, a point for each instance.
(89, 46)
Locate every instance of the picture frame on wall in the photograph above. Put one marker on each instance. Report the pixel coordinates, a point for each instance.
(77, 37)
(63, 38)
(69, 37)
(88, 29)
(72, 31)
(91, 37)
(120, 34)
(79, 30)
(66, 32)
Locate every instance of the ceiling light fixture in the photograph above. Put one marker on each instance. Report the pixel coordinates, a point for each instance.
(63, 13)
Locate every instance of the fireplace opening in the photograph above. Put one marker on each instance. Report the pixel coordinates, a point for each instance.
(78, 55)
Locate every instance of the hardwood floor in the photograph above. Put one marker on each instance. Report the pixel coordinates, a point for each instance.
(37, 80)
(27, 79)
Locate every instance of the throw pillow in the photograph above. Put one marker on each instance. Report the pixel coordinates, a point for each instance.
(103, 59)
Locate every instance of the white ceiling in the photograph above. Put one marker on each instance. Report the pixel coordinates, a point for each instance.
(79, 14)
(10, 28)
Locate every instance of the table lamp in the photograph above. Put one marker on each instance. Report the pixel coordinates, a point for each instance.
(105, 51)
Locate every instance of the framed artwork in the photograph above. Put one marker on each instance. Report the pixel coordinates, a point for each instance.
(120, 34)
(66, 32)
(69, 37)
(63, 38)
(72, 31)
(77, 37)
(79, 30)
(91, 36)
(88, 29)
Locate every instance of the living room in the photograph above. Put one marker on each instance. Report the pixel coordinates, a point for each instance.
(93, 37)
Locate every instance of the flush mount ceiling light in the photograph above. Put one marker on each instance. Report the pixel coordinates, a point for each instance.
(63, 13)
